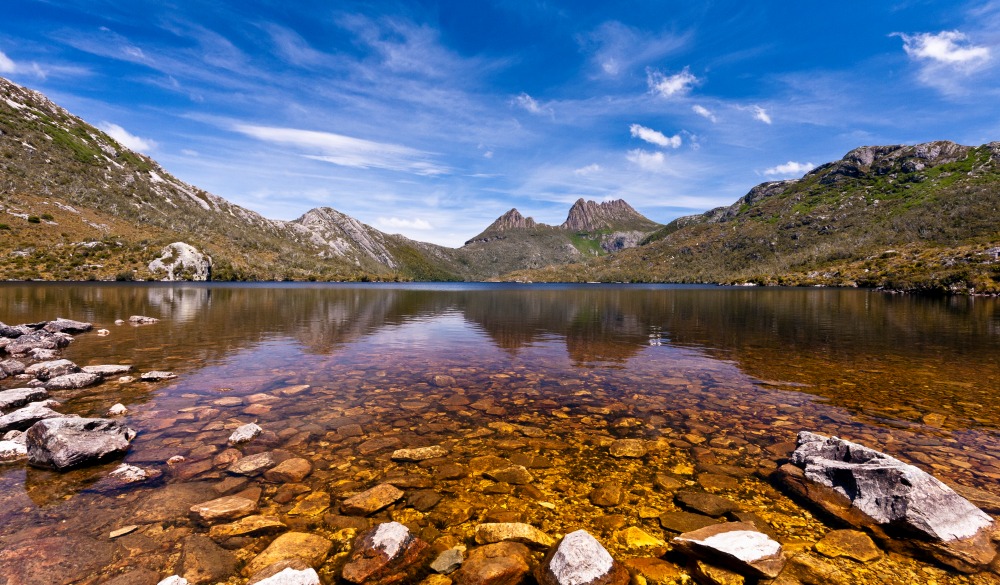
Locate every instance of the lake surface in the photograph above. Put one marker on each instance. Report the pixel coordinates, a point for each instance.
(717, 381)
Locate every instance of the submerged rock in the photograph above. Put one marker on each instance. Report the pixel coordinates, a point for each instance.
(63, 443)
(308, 548)
(371, 501)
(245, 434)
(141, 320)
(737, 545)
(419, 453)
(385, 553)
(579, 559)
(894, 500)
(512, 531)
(503, 563)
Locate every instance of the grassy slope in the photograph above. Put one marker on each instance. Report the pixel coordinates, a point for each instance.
(897, 228)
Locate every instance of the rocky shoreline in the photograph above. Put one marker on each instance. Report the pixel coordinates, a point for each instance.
(267, 522)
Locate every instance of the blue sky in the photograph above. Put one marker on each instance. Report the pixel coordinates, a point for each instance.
(432, 119)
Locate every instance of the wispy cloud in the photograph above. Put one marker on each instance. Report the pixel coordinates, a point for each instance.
(587, 170)
(704, 113)
(127, 139)
(790, 168)
(668, 86)
(7, 65)
(760, 114)
(530, 104)
(617, 48)
(648, 161)
(408, 224)
(655, 137)
(346, 150)
(945, 58)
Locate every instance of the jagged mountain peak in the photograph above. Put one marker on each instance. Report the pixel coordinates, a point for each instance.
(591, 216)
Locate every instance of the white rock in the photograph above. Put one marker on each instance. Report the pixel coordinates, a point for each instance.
(129, 473)
(119, 322)
(12, 451)
(103, 332)
(245, 434)
(118, 409)
(174, 580)
(580, 559)
(290, 576)
(390, 537)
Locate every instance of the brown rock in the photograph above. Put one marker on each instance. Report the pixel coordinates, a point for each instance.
(289, 471)
(607, 495)
(654, 571)
(203, 561)
(223, 509)
(371, 501)
(852, 544)
(419, 453)
(666, 482)
(309, 548)
(685, 521)
(377, 444)
(387, 553)
(705, 503)
(631, 448)
(313, 504)
(493, 532)
(706, 573)
(253, 465)
(248, 526)
(514, 475)
(503, 563)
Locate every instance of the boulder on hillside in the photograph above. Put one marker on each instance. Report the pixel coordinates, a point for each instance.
(64, 443)
(181, 261)
(899, 503)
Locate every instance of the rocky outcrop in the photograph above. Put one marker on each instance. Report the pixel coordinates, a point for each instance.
(900, 504)
(884, 160)
(64, 443)
(181, 261)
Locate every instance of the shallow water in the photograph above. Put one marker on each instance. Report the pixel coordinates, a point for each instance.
(715, 380)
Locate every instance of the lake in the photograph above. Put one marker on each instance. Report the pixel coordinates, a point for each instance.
(716, 381)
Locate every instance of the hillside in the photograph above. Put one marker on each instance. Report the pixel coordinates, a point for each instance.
(919, 218)
(77, 205)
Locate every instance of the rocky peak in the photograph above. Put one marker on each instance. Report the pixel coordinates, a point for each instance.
(510, 221)
(884, 160)
(589, 216)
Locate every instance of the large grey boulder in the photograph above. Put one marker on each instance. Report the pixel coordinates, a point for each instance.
(899, 503)
(63, 443)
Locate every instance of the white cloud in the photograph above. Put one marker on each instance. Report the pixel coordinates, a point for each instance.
(790, 168)
(530, 104)
(949, 47)
(647, 161)
(189, 152)
(126, 139)
(704, 113)
(6, 64)
(761, 114)
(399, 223)
(670, 85)
(348, 151)
(654, 137)
(587, 170)
(946, 58)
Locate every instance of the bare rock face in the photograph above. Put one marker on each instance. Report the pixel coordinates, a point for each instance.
(900, 504)
(385, 553)
(579, 559)
(737, 545)
(589, 216)
(182, 261)
(63, 443)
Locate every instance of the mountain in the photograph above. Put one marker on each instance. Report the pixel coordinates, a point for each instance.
(514, 242)
(924, 217)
